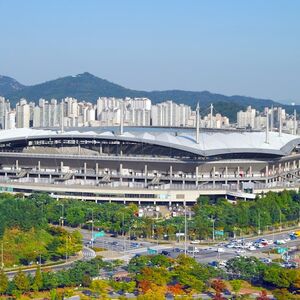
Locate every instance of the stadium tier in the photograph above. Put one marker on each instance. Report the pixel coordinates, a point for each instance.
(147, 164)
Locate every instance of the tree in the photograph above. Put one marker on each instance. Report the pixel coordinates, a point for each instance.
(86, 280)
(263, 295)
(283, 294)
(236, 285)
(219, 286)
(21, 282)
(3, 282)
(100, 286)
(38, 280)
(175, 289)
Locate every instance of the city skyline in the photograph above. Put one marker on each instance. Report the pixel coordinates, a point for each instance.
(232, 48)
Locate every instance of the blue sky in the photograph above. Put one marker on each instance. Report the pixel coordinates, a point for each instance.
(227, 46)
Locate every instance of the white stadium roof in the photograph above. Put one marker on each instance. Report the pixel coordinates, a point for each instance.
(211, 142)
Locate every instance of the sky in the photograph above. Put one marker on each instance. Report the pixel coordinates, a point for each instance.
(232, 47)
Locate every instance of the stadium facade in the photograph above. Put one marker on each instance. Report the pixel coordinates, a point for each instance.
(147, 164)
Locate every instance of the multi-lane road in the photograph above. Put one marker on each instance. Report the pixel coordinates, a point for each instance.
(124, 248)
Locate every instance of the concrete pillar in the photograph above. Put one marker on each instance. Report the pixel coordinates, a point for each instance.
(250, 171)
(289, 166)
(273, 170)
(84, 171)
(171, 174)
(100, 148)
(226, 175)
(121, 173)
(197, 175)
(39, 169)
(214, 176)
(238, 175)
(61, 165)
(97, 171)
(267, 173)
(146, 174)
(17, 164)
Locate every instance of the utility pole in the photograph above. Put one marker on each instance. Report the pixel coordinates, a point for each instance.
(213, 222)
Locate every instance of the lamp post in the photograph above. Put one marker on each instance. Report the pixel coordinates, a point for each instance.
(62, 214)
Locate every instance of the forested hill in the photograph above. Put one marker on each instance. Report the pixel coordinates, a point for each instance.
(89, 87)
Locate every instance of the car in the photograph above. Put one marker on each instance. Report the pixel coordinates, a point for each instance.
(193, 250)
(240, 251)
(135, 245)
(177, 250)
(220, 250)
(266, 260)
(133, 238)
(213, 263)
(195, 242)
(280, 242)
(165, 252)
(251, 248)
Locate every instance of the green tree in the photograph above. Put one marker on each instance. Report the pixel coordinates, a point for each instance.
(3, 282)
(21, 282)
(236, 285)
(37, 284)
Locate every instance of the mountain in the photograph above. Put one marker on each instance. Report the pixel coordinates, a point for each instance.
(9, 85)
(88, 87)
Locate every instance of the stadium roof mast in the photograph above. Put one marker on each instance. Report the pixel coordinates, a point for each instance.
(211, 115)
(295, 122)
(122, 118)
(280, 121)
(267, 126)
(197, 124)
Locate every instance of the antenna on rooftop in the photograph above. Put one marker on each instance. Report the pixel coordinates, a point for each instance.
(197, 123)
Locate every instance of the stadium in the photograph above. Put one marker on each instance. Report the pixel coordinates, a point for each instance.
(147, 165)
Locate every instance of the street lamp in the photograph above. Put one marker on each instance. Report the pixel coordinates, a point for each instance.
(213, 224)
(62, 214)
(92, 221)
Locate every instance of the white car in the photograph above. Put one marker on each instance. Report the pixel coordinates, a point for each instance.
(220, 250)
(240, 251)
(251, 248)
(195, 242)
